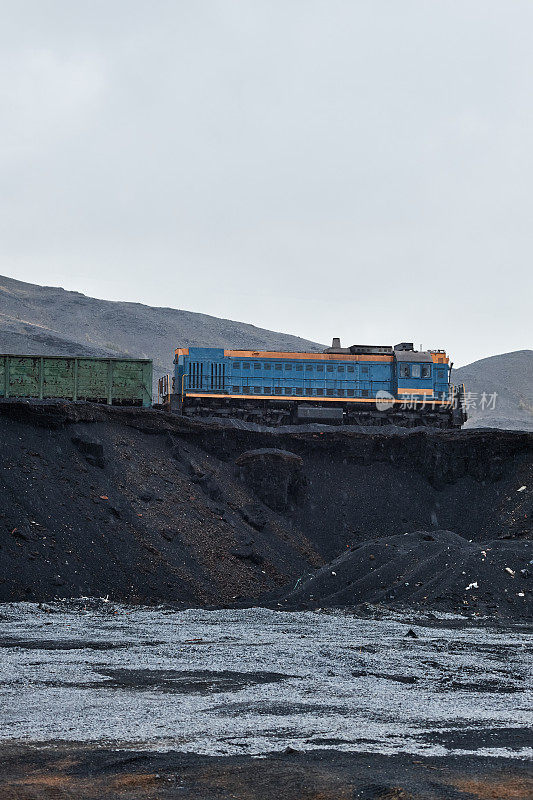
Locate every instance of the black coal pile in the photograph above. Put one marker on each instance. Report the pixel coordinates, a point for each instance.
(143, 506)
(427, 570)
(100, 502)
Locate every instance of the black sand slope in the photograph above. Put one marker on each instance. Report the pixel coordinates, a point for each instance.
(100, 508)
(436, 569)
(142, 506)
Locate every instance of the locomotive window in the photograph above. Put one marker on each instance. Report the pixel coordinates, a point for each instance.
(320, 367)
(308, 367)
(309, 392)
(236, 365)
(299, 390)
(340, 392)
(340, 369)
(441, 374)
(236, 389)
(245, 365)
(257, 390)
(350, 368)
(364, 370)
(246, 389)
(266, 365)
(329, 367)
(277, 390)
(349, 392)
(404, 371)
(364, 393)
(257, 366)
(415, 371)
(267, 390)
(330, 392)
(320, 392)
(299, 367)
(288, 366)
(278, 366)
(426, 371)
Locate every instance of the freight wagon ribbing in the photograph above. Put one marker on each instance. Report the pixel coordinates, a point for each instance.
(115, 381)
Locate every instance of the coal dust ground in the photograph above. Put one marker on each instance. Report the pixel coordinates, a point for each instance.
(102, 701)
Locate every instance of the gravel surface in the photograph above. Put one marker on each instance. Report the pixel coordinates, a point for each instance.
(258, 681)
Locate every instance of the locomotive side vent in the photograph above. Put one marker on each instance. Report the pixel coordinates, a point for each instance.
(218, 376)
(196, 374)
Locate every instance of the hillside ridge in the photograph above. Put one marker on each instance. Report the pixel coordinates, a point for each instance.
(47, 320)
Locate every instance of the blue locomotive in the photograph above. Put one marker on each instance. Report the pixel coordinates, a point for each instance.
(365, 385)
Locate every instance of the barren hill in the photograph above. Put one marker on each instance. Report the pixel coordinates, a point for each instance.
(506, 380)
(45, 320)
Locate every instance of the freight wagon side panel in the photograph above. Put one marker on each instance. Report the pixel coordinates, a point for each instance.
(93, 379)
(117, 381)
(23, 376)
(58, 378)
(132, 382)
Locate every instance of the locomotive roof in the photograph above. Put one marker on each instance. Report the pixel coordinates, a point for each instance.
(361, 352)
(413, 355)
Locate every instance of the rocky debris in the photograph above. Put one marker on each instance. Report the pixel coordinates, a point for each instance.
(392, 480)
(146, 497)
(248, 553)
(447, 573)
(210, 486)
(275, 476)
(254, 516)
(24, 535)
(92, 450)
(51, 415)
(200, 474)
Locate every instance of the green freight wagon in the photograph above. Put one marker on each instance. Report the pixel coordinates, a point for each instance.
(115, 381)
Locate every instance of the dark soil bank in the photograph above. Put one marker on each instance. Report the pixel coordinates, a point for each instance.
(68, 771)
(146, 507)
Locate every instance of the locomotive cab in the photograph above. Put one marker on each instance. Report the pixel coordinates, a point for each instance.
(414, 374)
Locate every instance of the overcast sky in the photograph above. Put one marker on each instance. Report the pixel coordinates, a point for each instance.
(353, 168)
